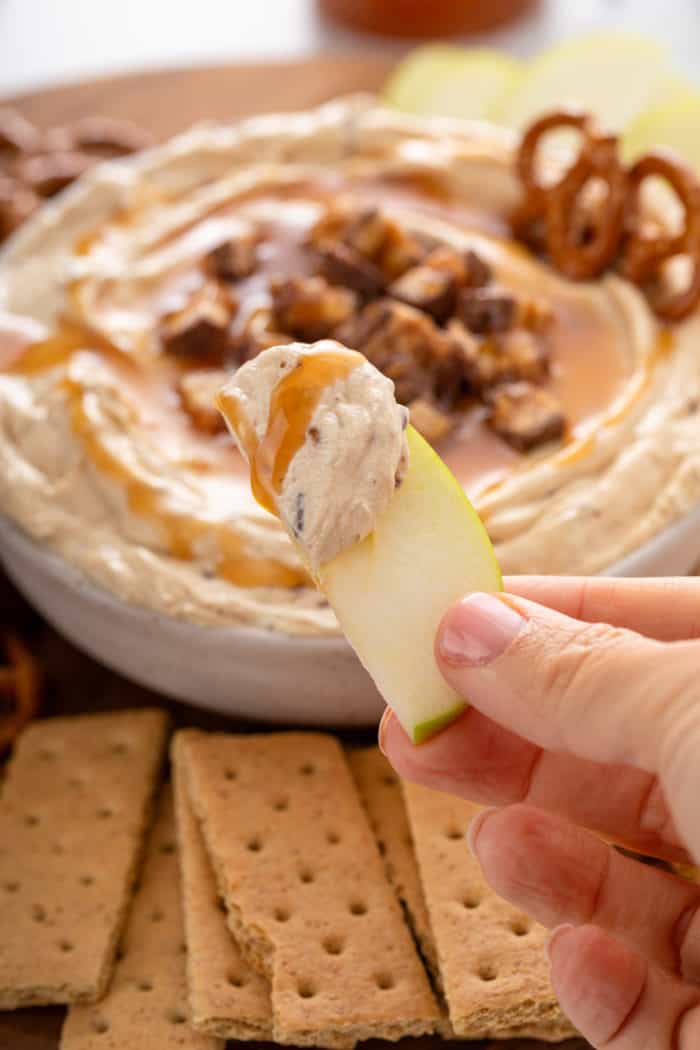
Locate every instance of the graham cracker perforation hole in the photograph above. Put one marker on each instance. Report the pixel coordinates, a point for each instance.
(381, 846)
(176, 1017)
(520, 927)
(236, 981)
(87, 880)
(46, 755)
(38, 913)
(358, 907)
(487, 972)
(230, 774)
(307, 989)
(145, 986)
(307, 769)
(104, 813)
(11, 886)
(453, 833)
(168, 847)
(31, 820)
(254, 845)
(66, 946)
(183, 948)
(282, 914)
(384, 981)
(119, 748)
(100, 1026)
(157, 915)
(57, 848)
(332, 838)
(221, 905)
(333, 945)
(75, 782)
(306, 875)
(470, 902)
(390, 779)
(280, 805)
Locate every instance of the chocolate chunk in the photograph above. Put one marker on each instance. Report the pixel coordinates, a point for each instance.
(400, 252)
(467, 268)
(366, 232)
(49, 173)
(201, 328)
(17, 203)
(496, 359)
(342, 265)
(310, 308)
(429, 420)
(525, 416)
(17, 135)
(299, 514)
(431, 290)
(534, 313)
(233, 259)
(197, 391)
(106, 136)
(485, 311)
(408, 347)
(478, 271)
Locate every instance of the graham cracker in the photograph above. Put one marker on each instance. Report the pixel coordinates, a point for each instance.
(145, 1007)
(491, 956)
(227, 997)
(73, 814)
(380, 791)
(304, 884)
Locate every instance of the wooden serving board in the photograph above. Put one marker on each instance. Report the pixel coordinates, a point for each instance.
(165, 103)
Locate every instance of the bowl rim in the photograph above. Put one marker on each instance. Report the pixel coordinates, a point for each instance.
(60, 569)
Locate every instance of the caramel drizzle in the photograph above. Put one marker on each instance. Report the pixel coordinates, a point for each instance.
(292, 405)
(57, 349)
(183, 531)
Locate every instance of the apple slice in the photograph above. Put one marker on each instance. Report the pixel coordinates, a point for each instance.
(390, 591)
(452, 82)
(674, 123)
(614, 75)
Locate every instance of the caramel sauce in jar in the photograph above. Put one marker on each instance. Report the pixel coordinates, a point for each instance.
(424, 17)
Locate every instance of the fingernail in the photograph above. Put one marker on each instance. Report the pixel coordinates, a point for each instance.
(383, 728)
(478, 631)
(557, 932)
(475, 827)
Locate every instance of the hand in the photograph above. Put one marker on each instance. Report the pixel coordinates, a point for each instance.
(576, 723)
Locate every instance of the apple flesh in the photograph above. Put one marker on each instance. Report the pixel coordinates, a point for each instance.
(390, 591)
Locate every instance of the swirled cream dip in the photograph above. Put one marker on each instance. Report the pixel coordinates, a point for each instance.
(567, 411)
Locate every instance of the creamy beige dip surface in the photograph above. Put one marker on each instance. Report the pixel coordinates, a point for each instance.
(99, 461)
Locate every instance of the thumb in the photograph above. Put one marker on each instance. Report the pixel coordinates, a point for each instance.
(600, 692)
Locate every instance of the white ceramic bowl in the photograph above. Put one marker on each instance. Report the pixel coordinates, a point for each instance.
(238, 670)
(241, 671)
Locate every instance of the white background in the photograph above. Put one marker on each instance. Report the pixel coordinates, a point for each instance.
(46, 41)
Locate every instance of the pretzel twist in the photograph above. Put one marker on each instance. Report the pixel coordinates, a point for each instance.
(20, 681)
(644, 255)
(553, 206)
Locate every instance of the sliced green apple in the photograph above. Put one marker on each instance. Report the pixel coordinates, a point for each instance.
(614, 75)
(452, 82)
(674, 123)
(390, 591)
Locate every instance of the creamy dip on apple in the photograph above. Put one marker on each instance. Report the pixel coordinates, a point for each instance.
(108, 451)
(324, 439)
